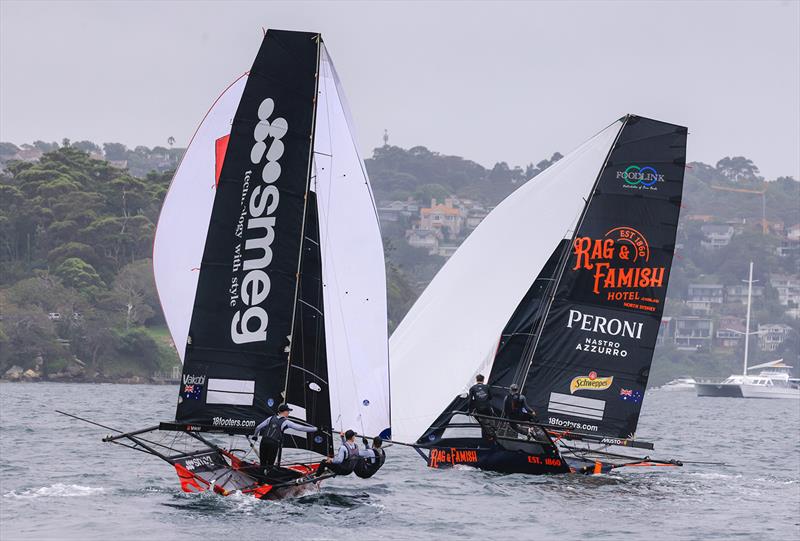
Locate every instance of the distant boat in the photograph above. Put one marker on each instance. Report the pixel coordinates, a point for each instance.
(680, 384)
(773, 382)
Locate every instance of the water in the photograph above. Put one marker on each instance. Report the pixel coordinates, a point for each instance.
(58, 481)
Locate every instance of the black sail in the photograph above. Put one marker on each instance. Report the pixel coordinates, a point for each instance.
(590, 365)
(236, 357)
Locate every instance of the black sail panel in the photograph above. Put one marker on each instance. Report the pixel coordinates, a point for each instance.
(590, 367)
(308, 390)
(519, 334)
(237, 353)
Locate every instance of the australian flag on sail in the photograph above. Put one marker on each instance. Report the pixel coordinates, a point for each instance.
(192, 392)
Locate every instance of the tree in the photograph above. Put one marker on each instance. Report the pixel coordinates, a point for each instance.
(77, 273)
(134, 293)
(738, 168)
(115, 151)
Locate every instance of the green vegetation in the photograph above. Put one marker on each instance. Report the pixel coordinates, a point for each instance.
(76, 233)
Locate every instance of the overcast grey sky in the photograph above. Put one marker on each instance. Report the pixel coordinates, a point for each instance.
(487, 81)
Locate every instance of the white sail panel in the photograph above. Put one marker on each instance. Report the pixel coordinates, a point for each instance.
(353, 272)
(456, 323)
(183, 223)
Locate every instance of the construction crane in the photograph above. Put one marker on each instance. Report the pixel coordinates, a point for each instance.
(762, 193)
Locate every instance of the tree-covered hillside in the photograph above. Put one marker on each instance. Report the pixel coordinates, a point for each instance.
(77, 298)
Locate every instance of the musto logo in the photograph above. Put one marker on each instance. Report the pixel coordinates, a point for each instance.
(640, 177)
(590, 383)
(619, 263)
(257, 226)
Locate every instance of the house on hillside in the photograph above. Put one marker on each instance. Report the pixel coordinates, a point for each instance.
(442, 217)
(772, 335)
(702, 297)
(738, 293)
(424, 238)
(790, 244)
(716, 236)
(693, 332)
(788, 288)
(665, 334)
(395, 211)
(730, 331)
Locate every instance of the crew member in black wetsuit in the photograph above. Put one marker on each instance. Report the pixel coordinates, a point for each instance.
(516, 408)
(345, 460)
(271, 432)
(480, 397)
(370, 460)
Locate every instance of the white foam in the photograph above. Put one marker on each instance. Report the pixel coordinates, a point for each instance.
(59, 490)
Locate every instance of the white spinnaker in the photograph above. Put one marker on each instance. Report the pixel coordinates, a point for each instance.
(457, 321)
(353, 272)
(185, 215)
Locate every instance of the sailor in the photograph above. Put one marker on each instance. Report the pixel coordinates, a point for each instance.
(271, 431)
(516, 408)
(480, 397)
(370, 459)
(345, 460)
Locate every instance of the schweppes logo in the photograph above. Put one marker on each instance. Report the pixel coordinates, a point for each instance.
(590, 383)
(619, 262)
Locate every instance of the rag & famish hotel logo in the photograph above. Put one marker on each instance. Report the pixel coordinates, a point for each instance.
(640, 178)
(619, 266)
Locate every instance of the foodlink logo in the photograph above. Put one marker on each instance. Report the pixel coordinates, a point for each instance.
(590, 383)
(257, 226)
(619, 263)
(640, 177)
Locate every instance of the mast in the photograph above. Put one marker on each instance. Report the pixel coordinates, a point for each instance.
(318, 39)
(747, 321)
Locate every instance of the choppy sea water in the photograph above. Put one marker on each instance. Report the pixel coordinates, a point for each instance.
(59, 481)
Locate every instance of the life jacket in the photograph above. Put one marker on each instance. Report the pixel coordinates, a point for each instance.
(273, 432)
(366, 468)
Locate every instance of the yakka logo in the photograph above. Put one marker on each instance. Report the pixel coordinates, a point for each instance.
(619, 262)
(257, 225)
(590, 383)
(640, 177)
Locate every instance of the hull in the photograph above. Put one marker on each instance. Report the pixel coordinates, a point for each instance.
(762, 391)
(675, 388)
(731, 390)
(509, 456)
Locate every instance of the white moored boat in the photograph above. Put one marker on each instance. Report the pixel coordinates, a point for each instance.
(679, 384)
(772, 384)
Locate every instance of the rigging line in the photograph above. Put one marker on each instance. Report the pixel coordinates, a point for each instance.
(309, 372)
(317, 310)
(303, 225)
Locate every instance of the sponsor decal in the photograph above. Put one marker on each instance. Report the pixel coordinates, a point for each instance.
(452, 456)
(619, 263)
(546, 460)
(614, 441)
(590, 383)
(572, 424)
(198, 461)
(603, 325)
(256, 227)
(640, 178)
(629, 395)
(365, 402)
(192, 387)
(233, 423)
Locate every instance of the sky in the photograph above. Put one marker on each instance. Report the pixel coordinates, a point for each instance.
(491, 82)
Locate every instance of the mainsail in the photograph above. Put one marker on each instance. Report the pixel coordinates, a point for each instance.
(561, 288)
(285, 298)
